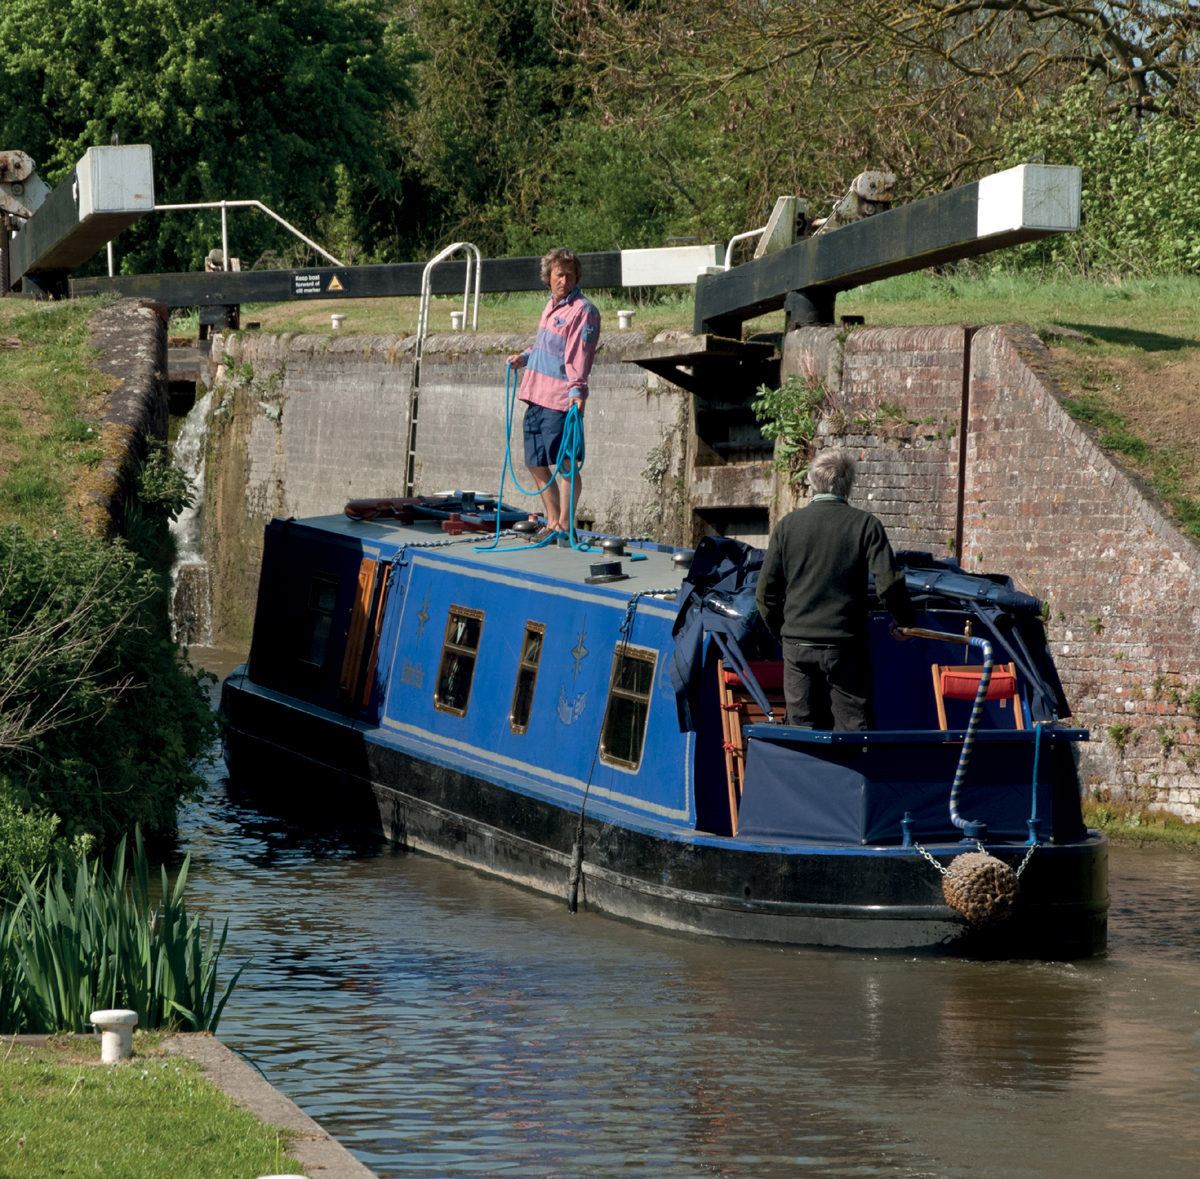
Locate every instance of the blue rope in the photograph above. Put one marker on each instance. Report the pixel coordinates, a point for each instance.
(985, 678)
(1034, 823)
(571, 449)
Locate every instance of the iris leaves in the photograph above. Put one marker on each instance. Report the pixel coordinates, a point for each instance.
(67, 950)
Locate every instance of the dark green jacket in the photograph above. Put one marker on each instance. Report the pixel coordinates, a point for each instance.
(813, 584)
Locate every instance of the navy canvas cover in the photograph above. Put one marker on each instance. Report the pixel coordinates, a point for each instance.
(799, 791)
(717, 597)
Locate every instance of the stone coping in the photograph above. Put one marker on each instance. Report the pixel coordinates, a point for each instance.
(320, 1153)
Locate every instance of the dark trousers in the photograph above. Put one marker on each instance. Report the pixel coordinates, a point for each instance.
(828, 687)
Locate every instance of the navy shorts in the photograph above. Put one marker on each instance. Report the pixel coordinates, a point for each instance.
(543, 435)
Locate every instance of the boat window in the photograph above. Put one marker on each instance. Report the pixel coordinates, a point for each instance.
(628, 706)
(318, 619)
(527, 670)
(458, 660)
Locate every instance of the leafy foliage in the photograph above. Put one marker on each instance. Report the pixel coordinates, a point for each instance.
(29, 841)
(102, 943)
(493, 98)
(241, 99)
(100, 716)
(1141, 186)
(789, 414)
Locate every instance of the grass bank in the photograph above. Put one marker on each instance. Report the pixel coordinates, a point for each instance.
(64, 1113)
(50, 401)
(1142, 827)
(100, 714)
(518, 312)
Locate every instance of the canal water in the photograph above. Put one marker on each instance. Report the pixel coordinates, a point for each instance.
(440, 1023)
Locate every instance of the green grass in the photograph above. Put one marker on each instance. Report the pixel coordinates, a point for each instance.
(518, 313)
(49, 405)
(64, 1113)
(1164, 465)
(1137, 825)
(1147, 314)
(1117, 315)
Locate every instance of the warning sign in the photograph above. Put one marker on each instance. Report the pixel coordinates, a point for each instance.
(306, 284)
(334, 285)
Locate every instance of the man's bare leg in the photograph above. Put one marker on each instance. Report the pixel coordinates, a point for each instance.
(565, 501)
(549, 490)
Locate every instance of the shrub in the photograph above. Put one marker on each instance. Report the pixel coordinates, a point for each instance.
(1141, 187)
(28, 840)
(100, 715)
(789, 415)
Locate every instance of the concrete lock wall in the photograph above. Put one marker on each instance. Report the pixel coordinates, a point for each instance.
(1043, 504)
(303, 423)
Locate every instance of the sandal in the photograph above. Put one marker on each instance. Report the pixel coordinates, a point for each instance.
(544, 533)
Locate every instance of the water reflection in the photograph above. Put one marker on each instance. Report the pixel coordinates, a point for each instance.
(440, 1023)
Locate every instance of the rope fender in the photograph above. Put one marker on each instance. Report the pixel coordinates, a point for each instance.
(980, 887)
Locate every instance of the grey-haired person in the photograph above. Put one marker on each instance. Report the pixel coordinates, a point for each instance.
(813, 595)
(556, 378)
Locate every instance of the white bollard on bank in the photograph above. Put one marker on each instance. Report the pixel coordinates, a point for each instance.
(337, 321)
(458, 320)
(625, 320)
(116, 1043)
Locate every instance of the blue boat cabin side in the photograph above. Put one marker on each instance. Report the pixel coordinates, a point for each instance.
(510, 669)
(486, 665)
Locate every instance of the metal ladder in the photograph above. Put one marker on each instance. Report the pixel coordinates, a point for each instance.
(475, 263)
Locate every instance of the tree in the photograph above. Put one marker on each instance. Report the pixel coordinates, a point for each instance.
(493, 95)
(245, 99)
(805, 93)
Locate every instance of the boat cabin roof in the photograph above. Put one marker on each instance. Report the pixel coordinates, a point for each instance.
(384, 538)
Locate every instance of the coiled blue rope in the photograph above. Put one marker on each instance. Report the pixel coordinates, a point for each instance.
(571, 452)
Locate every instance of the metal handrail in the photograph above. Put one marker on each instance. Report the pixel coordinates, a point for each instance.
(224, 205)
(423, 331)
(427, 288)
(740, 237)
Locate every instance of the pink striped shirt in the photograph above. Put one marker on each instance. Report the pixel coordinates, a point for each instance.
(557, 366)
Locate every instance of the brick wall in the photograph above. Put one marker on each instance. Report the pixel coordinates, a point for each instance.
(1045, 505)
(1122, 581)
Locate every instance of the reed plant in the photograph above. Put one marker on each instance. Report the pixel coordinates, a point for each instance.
(104, 941)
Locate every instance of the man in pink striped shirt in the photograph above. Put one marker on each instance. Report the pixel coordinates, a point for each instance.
(556, 378)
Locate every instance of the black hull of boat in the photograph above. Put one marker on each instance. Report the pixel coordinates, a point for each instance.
(318, 767)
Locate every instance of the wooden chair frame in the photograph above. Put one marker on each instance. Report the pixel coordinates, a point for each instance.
(1011, 668)
(739, 708)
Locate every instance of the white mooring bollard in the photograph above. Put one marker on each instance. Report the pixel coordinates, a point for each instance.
(116, 1043)
(337, 321)
(458, 320)
(625, 320)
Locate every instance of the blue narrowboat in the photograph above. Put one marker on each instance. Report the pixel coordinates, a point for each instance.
(605, 726)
